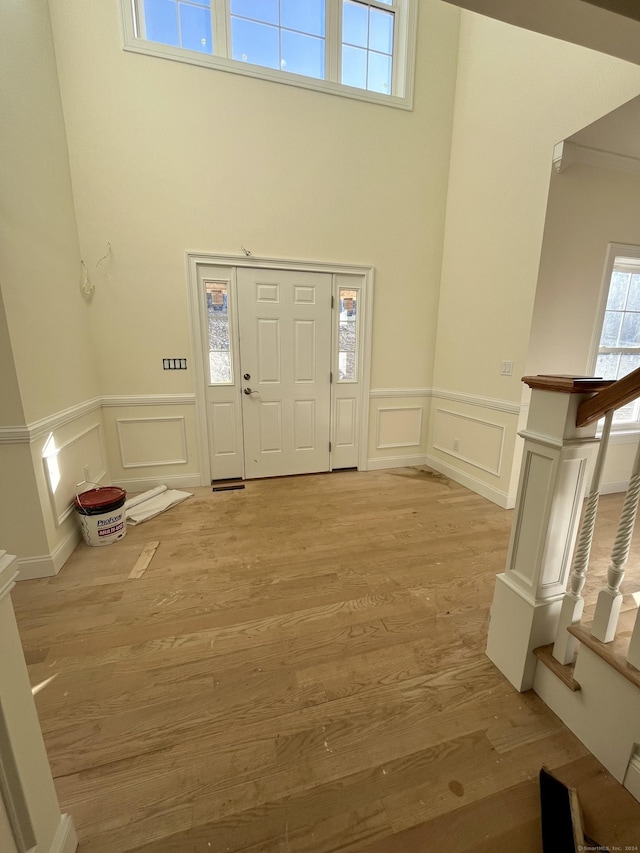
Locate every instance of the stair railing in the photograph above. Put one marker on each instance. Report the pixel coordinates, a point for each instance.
(602, 404)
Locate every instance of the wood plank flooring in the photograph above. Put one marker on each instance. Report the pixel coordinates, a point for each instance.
(300, 668)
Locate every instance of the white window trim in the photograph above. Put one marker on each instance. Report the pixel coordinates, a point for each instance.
(614, 250)
(404, 51)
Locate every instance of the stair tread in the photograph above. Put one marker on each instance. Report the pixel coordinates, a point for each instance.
(615, 652)
(563, 671)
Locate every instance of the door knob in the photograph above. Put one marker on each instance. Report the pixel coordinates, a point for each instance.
(249, 391)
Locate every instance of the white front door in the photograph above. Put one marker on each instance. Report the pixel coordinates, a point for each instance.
(285, 360)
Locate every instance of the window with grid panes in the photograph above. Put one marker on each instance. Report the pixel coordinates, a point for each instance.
(359, 48)
(619, 349)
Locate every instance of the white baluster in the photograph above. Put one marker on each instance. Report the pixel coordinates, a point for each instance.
(605, 620)
(573, 603)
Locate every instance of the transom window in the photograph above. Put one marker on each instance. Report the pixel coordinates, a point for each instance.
(619, 348)
(359, 48)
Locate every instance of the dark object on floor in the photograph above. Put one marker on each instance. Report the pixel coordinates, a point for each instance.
(228, 488)
(561, 817)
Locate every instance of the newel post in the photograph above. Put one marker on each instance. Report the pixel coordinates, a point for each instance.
(553, 476)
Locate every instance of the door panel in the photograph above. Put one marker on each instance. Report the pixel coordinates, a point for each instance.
(270, 421)
(223, 416)
(304, 353)
(304, 421)
(285, 350)
(269, 350)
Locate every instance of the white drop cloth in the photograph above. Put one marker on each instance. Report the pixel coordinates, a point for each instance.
(152, 503)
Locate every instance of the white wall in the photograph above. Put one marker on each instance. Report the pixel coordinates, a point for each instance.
(11, 411)
(40, 260)
(168, 157)
(47, 361)
(588, 208)
(518, 93)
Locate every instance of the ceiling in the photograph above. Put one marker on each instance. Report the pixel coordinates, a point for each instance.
(610, 26)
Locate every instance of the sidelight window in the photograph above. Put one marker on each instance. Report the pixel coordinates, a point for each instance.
(348, 336)
(220, 367)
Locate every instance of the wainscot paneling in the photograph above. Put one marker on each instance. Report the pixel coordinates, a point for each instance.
(473, 440)
(74, 462)
(398, 426)
(148, 442)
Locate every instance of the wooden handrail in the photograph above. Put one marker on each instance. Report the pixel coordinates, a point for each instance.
(618, 394)
(565, 383)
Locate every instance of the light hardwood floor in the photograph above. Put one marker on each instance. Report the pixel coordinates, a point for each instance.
(300, 668)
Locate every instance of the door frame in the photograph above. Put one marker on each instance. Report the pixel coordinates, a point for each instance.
(196, 308)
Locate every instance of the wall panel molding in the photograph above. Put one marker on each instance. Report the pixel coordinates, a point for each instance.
(398, 426)
(66, 462)
(477, 433)
(147, 442)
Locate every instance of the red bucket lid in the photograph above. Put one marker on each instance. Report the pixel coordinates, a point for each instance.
(95, 498)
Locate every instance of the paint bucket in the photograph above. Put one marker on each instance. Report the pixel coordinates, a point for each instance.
(102, 514)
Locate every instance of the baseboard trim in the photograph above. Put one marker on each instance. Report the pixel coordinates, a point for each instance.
(614, 488)
(65, 549)
(65, 840)
(473, 483)
(382, 462)
(142, 484)
(48, 565)
(30, 568)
